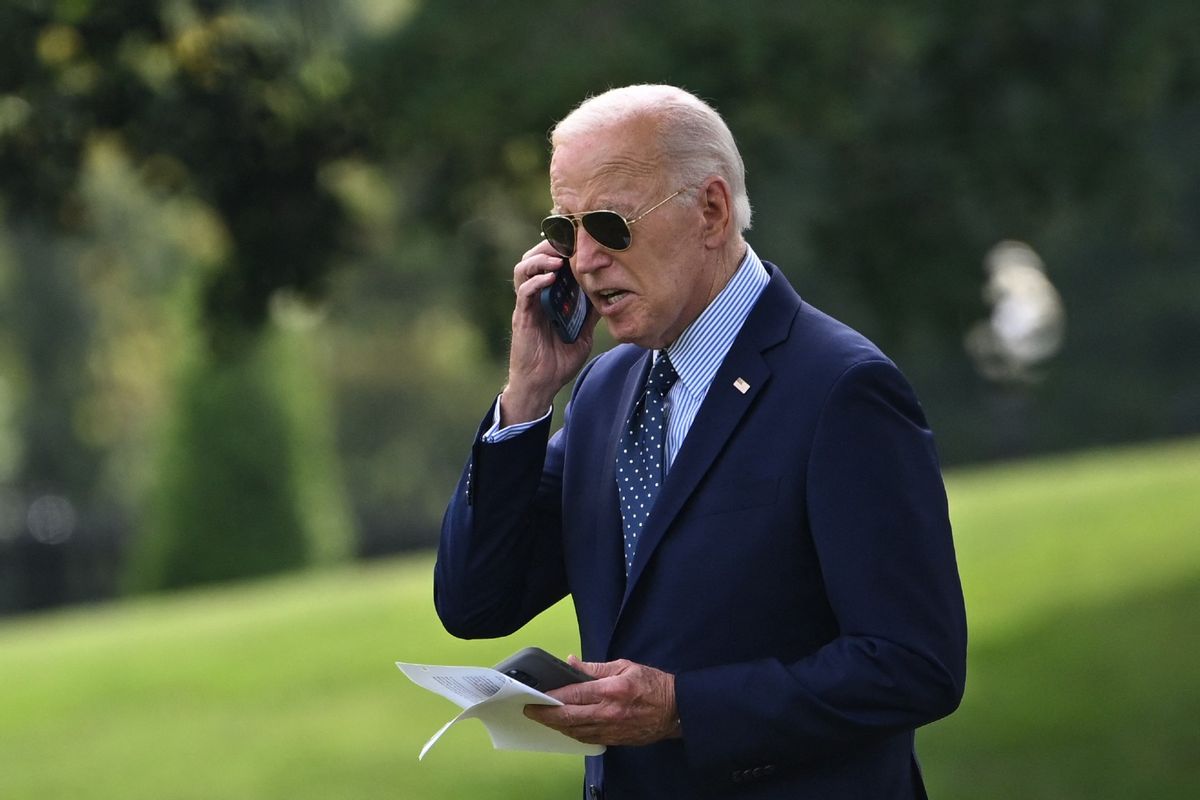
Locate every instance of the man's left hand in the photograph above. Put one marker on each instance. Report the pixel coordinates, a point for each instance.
(627, 704)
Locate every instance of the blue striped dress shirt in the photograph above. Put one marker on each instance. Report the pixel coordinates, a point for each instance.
(698, 352)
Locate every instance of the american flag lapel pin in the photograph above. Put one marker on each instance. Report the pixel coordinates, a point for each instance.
(741, 385)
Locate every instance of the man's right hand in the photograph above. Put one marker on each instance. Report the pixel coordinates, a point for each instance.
(539, 363)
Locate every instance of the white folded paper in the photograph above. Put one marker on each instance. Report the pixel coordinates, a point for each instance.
(497, 701)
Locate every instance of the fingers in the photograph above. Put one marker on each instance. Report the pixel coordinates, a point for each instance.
(582, 693)
(581, 727)
(599, 669)
(528, 291)
(535, 265)
(597, 691)
(539, 362)
(627, 704)
(584, 723)
(541, 247)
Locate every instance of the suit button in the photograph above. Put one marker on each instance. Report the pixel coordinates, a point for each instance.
(594, 792)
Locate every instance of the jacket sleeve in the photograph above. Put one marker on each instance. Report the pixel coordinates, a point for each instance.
(877, 514)
(500, 557)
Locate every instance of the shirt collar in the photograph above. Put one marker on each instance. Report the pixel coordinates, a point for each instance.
(703, 345)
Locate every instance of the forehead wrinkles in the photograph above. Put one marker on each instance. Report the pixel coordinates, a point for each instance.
(591, 177)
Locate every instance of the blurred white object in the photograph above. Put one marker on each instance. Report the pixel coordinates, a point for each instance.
(1027, 322)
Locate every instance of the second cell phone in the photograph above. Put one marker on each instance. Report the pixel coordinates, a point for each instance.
(536, 668)
(565, 304)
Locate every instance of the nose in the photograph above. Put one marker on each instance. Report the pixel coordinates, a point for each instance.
(589, 256)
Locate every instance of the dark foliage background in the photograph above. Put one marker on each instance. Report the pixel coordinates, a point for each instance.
(254, 256)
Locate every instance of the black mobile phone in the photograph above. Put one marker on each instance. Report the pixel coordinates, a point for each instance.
(565, 304)
(536, 668)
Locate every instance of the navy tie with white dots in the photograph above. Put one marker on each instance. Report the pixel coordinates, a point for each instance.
(640, 454)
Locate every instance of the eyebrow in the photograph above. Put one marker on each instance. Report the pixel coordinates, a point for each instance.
(603, 203)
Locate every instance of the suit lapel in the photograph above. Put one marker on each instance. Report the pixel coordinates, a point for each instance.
(723, 408)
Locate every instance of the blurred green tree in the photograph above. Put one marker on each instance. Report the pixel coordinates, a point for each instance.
(216, 102)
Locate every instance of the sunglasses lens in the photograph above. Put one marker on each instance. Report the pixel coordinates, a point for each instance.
(560, 233)
(608, 229)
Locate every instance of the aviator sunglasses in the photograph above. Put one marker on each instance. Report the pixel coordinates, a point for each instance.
(609, 229)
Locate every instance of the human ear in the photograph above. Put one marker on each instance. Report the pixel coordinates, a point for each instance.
(716, 204)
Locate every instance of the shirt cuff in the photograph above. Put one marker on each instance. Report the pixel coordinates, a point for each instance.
(496, 434)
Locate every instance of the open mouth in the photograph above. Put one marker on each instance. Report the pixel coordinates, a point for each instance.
(610, 297)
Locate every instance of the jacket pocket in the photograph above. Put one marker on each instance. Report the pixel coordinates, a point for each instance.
(736, 495)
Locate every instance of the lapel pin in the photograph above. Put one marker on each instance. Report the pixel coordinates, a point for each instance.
(741, 385)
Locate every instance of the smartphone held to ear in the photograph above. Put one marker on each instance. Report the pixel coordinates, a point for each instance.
(565, 304)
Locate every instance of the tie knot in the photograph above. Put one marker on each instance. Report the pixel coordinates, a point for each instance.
(662, 375)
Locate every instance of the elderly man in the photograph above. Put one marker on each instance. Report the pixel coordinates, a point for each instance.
(744, 500)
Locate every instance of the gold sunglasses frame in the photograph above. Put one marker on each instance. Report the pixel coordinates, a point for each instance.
(577, 219)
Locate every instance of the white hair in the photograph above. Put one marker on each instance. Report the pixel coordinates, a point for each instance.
(695, 143)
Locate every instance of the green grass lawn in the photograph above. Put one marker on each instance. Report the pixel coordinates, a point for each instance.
(1083, 588)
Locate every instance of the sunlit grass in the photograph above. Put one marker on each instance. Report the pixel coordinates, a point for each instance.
(283, 688)
(1082, 577)
(1086, 528)
(1090, 702)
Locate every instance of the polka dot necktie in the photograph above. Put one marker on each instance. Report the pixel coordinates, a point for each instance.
(640, 454)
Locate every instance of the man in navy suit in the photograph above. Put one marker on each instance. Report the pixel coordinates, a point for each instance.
(787, 611)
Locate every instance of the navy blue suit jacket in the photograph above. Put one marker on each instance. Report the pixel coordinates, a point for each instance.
(796, 573)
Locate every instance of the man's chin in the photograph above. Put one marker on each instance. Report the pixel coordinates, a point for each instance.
(626, 330)
(622, 333)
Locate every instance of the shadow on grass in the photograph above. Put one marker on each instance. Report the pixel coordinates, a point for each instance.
(1094, 703)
